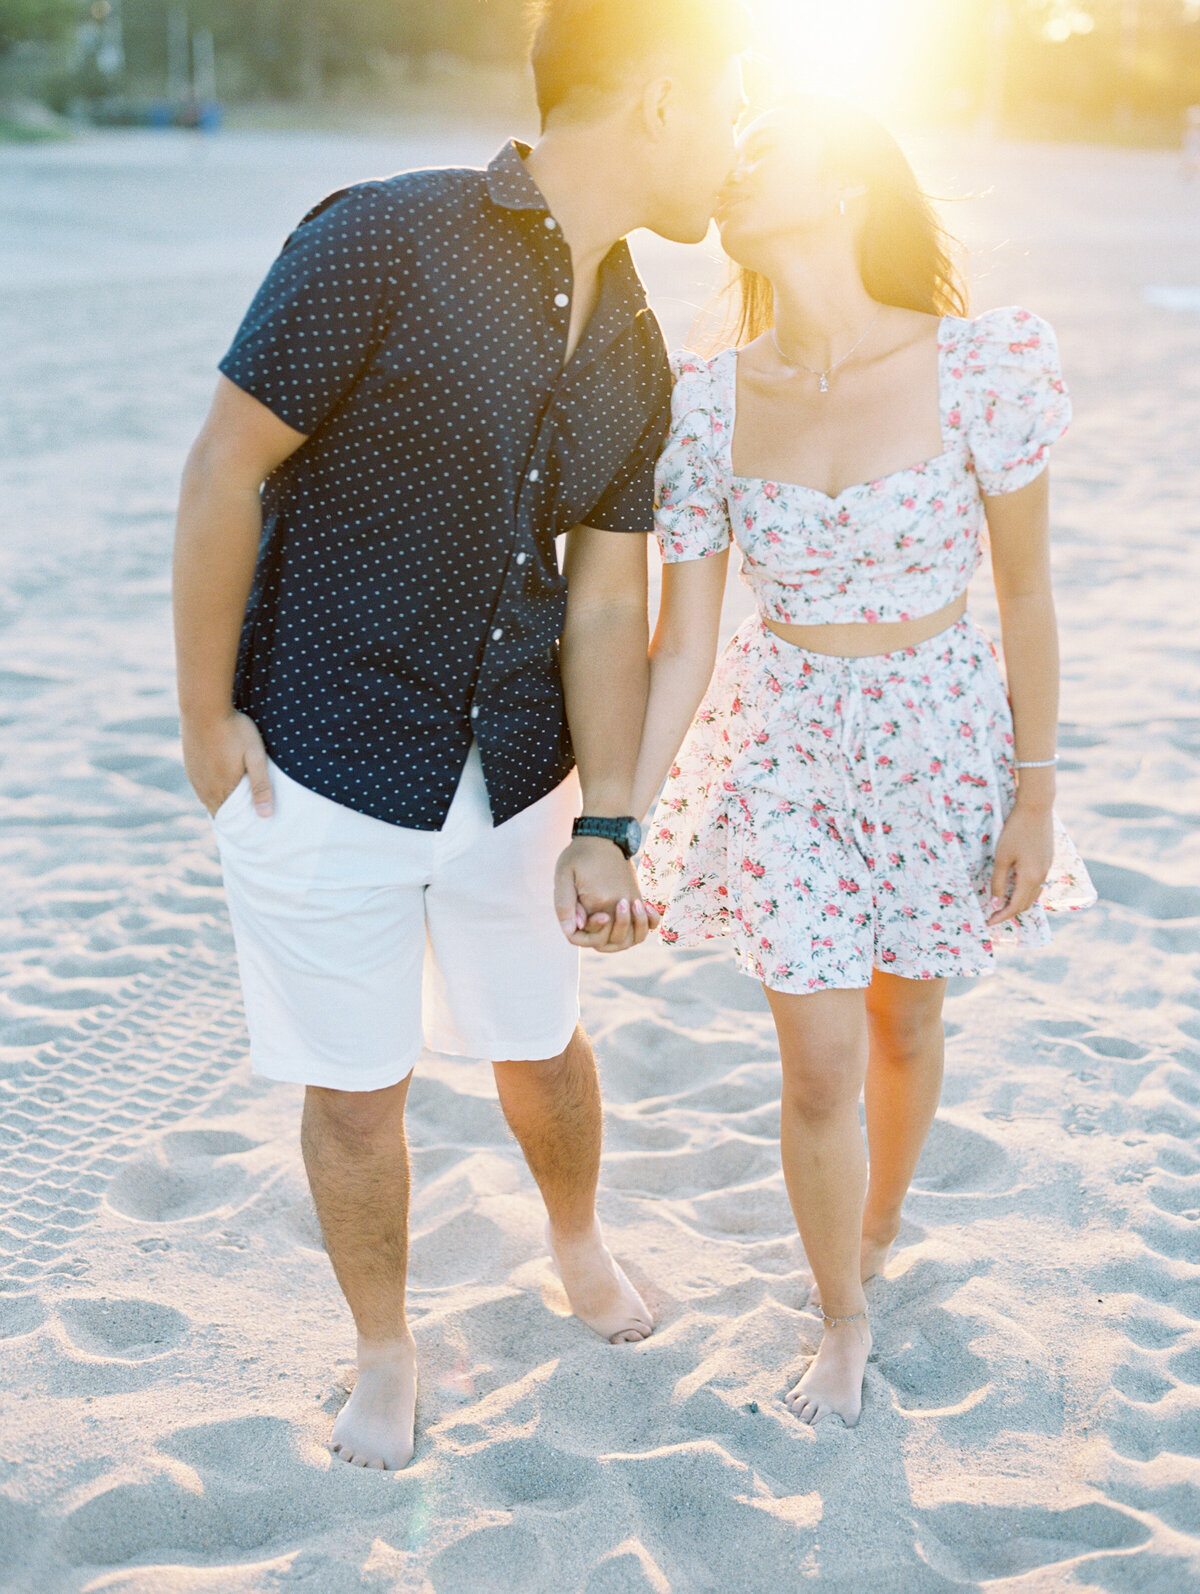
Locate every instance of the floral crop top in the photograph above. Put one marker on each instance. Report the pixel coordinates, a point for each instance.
(891, 549)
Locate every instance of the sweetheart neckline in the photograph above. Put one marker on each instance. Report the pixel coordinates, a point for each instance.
(922, 465)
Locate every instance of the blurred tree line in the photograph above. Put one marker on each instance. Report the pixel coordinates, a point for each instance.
(301, 47)
(1033, 66)
(39, 21)
(1061, 66)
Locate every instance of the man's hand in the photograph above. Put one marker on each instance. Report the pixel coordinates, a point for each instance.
(217, 753)
(598, 899)
(1024, 854)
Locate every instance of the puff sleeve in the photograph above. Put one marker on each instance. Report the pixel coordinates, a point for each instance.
(691, 518)
(1018, 403)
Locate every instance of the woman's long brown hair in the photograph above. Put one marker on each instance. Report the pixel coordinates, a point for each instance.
(905, 254)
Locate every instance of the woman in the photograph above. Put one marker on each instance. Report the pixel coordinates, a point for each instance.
(855, 807)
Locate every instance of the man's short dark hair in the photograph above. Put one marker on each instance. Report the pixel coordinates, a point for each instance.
(583, 51)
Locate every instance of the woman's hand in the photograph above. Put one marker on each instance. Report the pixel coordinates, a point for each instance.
(1023, 857)
(598, 899)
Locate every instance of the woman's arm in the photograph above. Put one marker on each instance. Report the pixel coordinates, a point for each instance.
(1019, 526)
(682, 656)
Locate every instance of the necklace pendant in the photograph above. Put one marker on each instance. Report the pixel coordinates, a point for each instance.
(824, 383)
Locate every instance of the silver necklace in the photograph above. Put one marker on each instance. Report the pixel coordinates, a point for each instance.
(823, 376)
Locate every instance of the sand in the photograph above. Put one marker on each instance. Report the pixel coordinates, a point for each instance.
(174, 1345)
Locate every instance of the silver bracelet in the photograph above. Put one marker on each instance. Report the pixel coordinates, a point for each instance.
(1035, 763)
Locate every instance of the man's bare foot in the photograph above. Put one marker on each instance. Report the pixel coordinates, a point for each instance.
(375, 1426)
(873, 1259)
(832, 1386)
(597, 1288)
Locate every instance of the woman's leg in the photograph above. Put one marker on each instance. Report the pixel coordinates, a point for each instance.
(823, 1048)
(904, 1086)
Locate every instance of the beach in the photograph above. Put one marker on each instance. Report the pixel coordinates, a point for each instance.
(174, 1344)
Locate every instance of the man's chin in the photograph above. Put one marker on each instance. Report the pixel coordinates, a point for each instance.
(688, 230)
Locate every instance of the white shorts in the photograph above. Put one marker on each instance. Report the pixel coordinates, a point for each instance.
(359, 941)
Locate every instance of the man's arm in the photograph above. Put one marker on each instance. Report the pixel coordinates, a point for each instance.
(605, 674)
(216, 546)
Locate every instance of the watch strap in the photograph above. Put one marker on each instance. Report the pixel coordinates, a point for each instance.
(624, 832)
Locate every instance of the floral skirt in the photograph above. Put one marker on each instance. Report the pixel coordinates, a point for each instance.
(831, 816)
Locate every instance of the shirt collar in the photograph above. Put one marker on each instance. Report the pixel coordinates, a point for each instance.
(509, 184)
(622, 294)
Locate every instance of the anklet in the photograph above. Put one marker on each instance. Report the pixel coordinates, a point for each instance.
(834, 1321)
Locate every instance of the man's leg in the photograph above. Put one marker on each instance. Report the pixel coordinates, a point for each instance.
(328, 909)
(553, 1109)
(357, 1161)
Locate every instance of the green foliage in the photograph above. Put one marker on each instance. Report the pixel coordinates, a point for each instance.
(297, 46)
(41, 20)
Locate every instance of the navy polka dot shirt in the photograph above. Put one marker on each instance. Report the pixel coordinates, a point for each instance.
(407, 596)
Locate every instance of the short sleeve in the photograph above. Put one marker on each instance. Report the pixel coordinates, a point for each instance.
(627, 504)
(322, 308)
(1018, 403)
(691, 520)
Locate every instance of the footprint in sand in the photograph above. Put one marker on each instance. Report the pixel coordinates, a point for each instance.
(20, 1314)
(504, 1560)
(146, 725)
(530, 1471)
(185, 1175)
(1141, 1384)
(1141, 892)
(1142, 1431)
(957, 1160)
(1173, 1159)
(935, 1371)
(255, 1483)
(121, 1329)
(146, 770)
(629, 1569)
(975, 1542)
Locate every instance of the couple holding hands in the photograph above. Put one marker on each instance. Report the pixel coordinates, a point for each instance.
(426, 748)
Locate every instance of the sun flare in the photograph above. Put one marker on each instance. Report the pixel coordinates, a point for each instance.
(845, 47)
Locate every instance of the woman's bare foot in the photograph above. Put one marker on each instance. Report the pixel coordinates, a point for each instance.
(375, 1426)
(833, 1383)
(597, 1288)
(873, 1259)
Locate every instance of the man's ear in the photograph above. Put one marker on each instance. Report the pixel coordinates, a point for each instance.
(658, 100)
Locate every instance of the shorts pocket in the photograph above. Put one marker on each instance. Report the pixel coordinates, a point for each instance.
(236, 797)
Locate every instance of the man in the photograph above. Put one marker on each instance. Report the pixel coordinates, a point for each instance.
(442, 372)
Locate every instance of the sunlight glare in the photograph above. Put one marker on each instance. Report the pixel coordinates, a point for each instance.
(845, 47)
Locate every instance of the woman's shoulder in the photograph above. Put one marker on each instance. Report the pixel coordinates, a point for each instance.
(700, 399)
(695, 369)
(1000, 337)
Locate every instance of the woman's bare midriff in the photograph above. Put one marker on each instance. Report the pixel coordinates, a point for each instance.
(861, 639)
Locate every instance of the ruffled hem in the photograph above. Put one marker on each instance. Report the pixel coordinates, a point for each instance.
(809, 786)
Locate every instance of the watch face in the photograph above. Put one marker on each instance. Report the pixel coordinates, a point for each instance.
(633, 837)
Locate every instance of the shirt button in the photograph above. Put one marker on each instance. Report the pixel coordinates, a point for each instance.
(551, 223)
(562, 300)
(521, 558)
(497, 634)
(475, 713)
(534, 474)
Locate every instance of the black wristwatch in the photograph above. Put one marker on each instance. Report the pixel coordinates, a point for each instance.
(625, 832)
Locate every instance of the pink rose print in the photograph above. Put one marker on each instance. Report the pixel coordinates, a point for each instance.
(891, 551)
